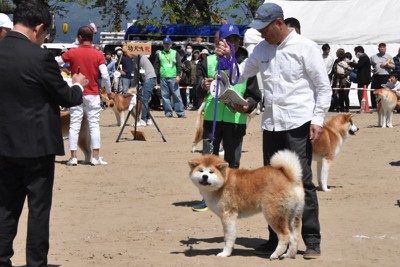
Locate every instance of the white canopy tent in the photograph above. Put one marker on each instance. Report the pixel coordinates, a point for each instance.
(343, 24)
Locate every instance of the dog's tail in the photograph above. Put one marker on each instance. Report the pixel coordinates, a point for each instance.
(199, 117)
(289, 162)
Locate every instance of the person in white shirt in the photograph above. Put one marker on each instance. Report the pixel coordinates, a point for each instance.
(393, 83)
(297, 96)
(328, 59)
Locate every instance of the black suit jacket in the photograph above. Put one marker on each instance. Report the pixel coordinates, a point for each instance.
(363, 67)
(31, 91)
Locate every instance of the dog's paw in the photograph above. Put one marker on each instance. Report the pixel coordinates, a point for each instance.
(274, 256)
(224, 254)
(326, 189)
(193, 149)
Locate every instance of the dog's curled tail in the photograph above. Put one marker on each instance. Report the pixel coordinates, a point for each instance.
(289, 162)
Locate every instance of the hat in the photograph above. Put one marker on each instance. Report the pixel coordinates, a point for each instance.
(196, 51)
(65, 65)
(118, 48)
(5, 21)
(228, 30)
(167, 40)
(204, 51)
(266, 14)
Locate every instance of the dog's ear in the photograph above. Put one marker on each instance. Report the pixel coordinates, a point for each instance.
(222, 166)
(193, 164)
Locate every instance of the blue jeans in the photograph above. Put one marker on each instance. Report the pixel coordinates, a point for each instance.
(170, 88)
(126, 84)
(147, 89)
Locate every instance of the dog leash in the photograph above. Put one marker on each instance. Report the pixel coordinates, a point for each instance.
(223, 64)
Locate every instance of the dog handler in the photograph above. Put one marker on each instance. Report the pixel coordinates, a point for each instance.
(90, 62)
(32, 89)
(297, 96)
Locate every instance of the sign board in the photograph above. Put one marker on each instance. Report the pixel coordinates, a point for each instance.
(138, 48)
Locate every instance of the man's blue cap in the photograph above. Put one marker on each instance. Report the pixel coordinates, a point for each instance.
(167, 40)
(228, 30)
(65, 65)
(265, 15)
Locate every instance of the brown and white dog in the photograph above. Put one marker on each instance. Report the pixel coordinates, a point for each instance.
(84, 135)
(387, 101)
(327, 146)
(275, 190)
(119, 103)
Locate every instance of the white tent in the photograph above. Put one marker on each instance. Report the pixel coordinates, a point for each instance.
(343, 24)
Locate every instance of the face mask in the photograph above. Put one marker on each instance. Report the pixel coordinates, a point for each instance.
(189, 51)
(119, 52)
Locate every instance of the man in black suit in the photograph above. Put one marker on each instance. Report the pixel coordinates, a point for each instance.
(32, 90)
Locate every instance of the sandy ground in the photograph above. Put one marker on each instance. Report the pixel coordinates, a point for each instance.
(136, 211)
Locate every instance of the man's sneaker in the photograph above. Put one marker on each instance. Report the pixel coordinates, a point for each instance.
(149, 122)
(266, 249)
(72, 162)
(100, 161)
(181, 116)
(141, 123)
(200, 207)
(313, 251)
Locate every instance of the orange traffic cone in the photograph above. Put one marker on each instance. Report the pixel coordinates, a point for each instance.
(364, 101)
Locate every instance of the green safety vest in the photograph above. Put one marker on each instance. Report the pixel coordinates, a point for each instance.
(223, 112)
(167, 63)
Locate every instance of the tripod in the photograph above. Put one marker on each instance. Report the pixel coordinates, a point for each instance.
(138, 102)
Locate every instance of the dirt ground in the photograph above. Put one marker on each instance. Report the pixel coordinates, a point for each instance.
(136, 211)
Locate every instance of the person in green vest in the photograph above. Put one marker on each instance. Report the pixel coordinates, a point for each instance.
(168, 69)
(230, 122)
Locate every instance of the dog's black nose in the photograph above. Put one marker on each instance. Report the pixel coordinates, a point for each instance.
(205, 177)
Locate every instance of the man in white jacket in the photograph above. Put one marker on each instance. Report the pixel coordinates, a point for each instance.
(297, 96)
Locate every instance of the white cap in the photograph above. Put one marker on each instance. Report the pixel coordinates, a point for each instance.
(118, 48)
(204, 51)
(5, 21)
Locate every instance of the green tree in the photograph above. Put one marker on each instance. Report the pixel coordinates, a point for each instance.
(112, 13)
(196, 12)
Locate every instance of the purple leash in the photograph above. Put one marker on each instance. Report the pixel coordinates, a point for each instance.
(223, 64)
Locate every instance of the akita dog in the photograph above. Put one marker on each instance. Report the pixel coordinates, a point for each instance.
(328, 145)
(84, 135)
(120, 103)
(387, 101)
(275, 190)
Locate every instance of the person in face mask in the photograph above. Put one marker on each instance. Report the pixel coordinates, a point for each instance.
(186, 74)
(363, 67)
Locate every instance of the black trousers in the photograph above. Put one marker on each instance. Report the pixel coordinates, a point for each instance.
(231, 136)
(298, 141)
(30, 178)
(376, 83)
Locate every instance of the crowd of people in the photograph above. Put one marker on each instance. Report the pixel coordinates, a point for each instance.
(297, 94)
(378, 71)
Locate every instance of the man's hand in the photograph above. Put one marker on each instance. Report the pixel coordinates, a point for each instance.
(206, 83)
(223, 49)
(239, 108)
(177, 79)
(315, 132)
(80, 78)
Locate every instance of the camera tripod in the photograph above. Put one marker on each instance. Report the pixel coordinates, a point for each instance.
(136, 113)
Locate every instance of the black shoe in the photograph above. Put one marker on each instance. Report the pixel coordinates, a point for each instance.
(313, 251)
(266, 249)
